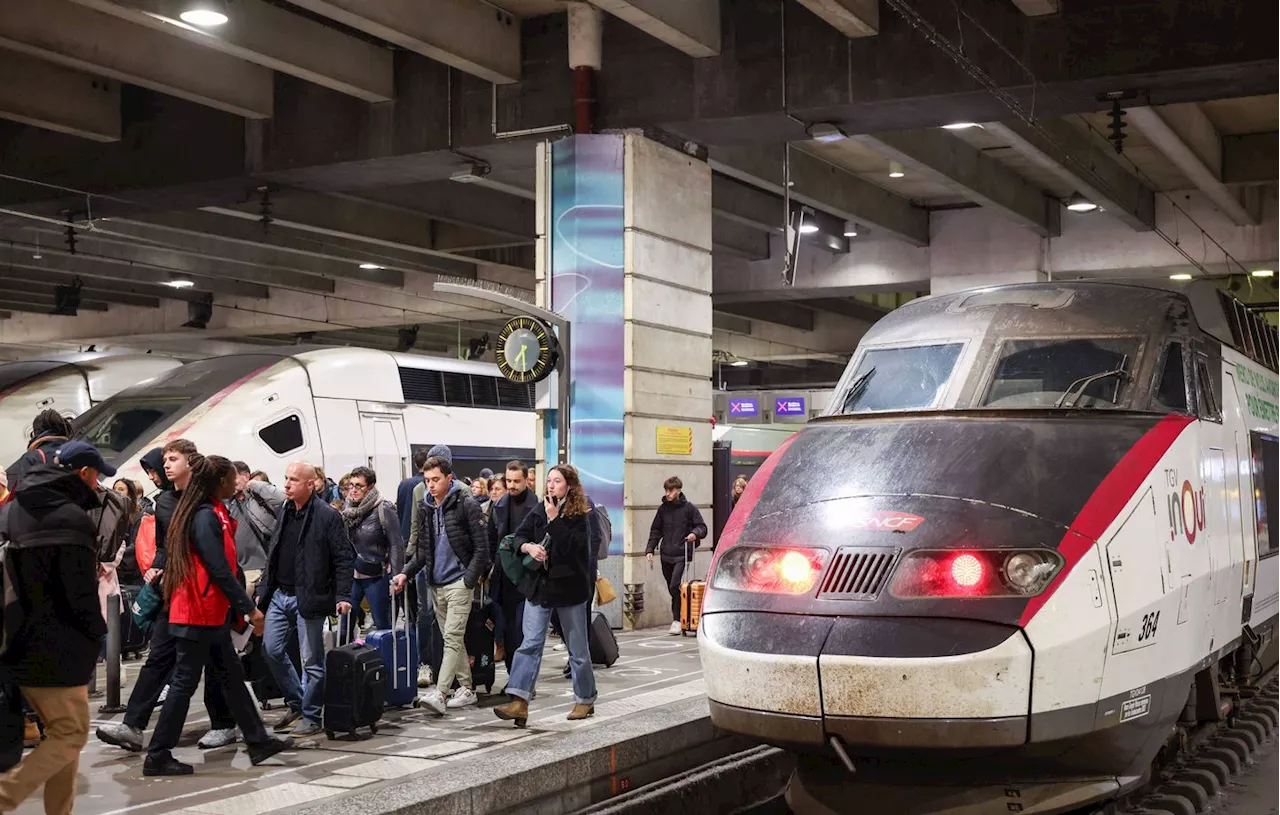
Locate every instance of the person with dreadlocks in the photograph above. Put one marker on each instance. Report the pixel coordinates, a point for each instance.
(205, 595)
(48, 432)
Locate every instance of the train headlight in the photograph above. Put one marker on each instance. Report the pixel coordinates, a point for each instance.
(769, 570)
(978, 573)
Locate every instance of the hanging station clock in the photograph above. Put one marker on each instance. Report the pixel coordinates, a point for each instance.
(527, 350)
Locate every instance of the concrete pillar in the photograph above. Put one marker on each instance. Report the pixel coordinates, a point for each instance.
(624, 231)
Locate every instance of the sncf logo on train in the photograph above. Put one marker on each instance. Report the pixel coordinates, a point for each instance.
(887, 521)
(1186, 508)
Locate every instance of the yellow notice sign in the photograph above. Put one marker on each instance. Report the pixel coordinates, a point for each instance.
(675, 441)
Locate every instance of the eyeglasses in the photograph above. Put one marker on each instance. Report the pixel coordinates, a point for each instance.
(357, 487)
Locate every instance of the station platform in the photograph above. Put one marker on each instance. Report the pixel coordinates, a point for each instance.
(650, 711)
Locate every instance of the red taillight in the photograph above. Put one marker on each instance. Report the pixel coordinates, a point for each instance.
(768, 570)
(974, 573)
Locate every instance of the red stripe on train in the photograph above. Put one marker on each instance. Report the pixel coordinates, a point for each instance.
(750, 496)
(1108, 499)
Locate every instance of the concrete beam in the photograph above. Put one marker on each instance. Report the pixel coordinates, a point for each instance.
(847, 307)
(977, 176)
(738, 239)
(1038, 8)
(825, 187)
(17, 282)
(691, 26)
(33, 270)
(87, 263)
(852, 18)
(465, 34)
(463, 204)
(815, 374)
(36, 93)
(273, 38)
(17, 298)
(1202, 167)
(1077, 160)
(88, 40)
(784, 314)
(1251, 159)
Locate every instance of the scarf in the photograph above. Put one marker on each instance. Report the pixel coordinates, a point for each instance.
(355, 514)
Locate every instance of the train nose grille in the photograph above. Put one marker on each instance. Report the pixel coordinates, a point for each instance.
(858, 573)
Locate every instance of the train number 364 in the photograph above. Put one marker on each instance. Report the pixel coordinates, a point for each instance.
(1149, 623)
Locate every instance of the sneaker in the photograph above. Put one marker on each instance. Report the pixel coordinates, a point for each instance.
(560, 647)
(287, 723)
(462, 697)
(165, 765)
(425, 679)
(262, 751)
(675, 630)
(434, 699)
(218, 738)
(307, 728)
(121, 735)
(164, 694)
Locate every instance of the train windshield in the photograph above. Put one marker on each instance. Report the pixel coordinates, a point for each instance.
(1063, 373)
(123, 421)
(911, 378)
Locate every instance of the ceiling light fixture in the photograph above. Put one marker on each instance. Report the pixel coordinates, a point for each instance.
(205, 13)
(960, 125)
(850, 229)
(895, 170)
(180, 284)
(1078, 203)
(808, 228)
(1264, 273)
(1180, 276)
(739, 363)
(369, 266)
(825, 132)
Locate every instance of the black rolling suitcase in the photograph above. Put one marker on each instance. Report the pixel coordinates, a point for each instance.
(600, 638)
(355, 688)
(479, 644)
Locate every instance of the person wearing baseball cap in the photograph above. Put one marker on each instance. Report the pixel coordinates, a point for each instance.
(53, 633)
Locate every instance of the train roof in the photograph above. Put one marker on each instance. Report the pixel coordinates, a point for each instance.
(311, 354)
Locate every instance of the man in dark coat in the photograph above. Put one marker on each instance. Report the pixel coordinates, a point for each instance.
(677, 530)
(53, 626)
(308, 577)
(504, 519)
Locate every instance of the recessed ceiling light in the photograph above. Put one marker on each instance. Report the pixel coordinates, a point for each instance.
(895, 170)
(1078, 203)
(960, 125)
(739, 363)
(370, 266)
(180, 284)
(1264, 273)
(1180, 276)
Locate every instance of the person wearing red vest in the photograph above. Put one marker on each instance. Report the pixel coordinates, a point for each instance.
(205, 596)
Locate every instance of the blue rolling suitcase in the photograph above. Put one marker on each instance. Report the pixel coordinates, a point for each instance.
(399, 649)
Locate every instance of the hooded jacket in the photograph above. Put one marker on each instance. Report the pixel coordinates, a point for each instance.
(165, 503)
(673, 522)
(465, 527)
(54, 554)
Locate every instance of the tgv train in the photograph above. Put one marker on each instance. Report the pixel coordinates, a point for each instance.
(335, 407)
(69, 385)
(1033, 534)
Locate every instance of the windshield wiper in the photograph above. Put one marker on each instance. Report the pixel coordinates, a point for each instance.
(1078, 387)
(855, 390)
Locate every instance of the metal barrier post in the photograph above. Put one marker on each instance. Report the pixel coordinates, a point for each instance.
(113, 656)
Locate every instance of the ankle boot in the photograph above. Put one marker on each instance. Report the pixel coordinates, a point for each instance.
(581, 712)
(516, 710)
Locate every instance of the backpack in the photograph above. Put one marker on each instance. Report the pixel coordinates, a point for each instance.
(12, 612)
(606, 531)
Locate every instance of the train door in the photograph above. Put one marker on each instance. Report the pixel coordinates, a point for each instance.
(1216, 441)
(1239, 486)
(386, 447)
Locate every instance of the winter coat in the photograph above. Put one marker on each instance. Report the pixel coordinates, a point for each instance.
(404, 504)
(467, 531)
(570, 578)
(672, 524)
(40, 451)
(255, 516)
(212, 588)
(377, 539)
(422, 496)
(324, 565)
(60, 635)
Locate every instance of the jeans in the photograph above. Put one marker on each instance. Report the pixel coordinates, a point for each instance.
(157, 671)
(528, 659)
(673, 573)
(377, 590)
(453, 607)
(56, 760)
(283, 618)
(210, 648)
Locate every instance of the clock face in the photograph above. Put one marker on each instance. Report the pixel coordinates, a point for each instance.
(527, 350)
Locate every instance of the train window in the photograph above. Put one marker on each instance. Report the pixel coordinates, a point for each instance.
(1171, 393)
(1265, 490)
(1074, 372)
(116, 424)
(899, 379)
(283, 436)
(1207, 394)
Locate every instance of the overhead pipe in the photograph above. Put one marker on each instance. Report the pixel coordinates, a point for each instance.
(585, 47)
